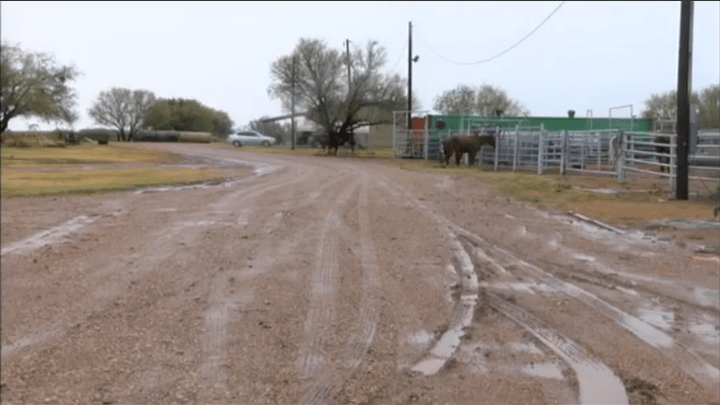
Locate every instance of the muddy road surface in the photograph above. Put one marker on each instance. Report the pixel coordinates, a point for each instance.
(319, 280)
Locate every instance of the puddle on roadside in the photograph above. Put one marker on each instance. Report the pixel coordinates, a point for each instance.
(688, 223)
(544, 370)
(610, 237)
(583, 257)
(706, 332)
(707, 297)
(647, 332)
(52, 236)
(449, 341)
(526, 347)
(420, 337)
(657, 317)
(529, 288)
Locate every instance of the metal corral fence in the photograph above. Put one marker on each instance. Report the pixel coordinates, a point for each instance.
(610, 152)
(654, 153)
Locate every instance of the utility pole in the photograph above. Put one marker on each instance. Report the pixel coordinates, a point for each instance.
(350, 117)
(684, 88)
(292, 107)
(409, 116)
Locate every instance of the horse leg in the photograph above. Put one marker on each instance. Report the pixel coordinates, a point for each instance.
(458, 156)
(471, 158)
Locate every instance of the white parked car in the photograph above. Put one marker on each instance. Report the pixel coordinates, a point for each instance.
(249, 138)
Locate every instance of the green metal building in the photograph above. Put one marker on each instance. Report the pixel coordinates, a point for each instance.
(458, 122)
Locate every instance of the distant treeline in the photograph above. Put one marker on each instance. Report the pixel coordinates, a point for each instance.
(103, 134)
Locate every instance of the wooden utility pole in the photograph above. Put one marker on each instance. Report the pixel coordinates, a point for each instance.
(409, 116)
(684, 88)
(352, 133)
(292, 107)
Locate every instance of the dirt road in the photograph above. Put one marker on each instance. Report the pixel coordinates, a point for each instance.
(321, 280)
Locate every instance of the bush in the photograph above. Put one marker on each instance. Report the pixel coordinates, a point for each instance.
(96, 134)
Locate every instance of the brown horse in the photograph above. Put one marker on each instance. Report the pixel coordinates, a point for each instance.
(460, 144)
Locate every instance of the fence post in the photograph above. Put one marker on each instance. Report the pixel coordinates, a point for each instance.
(672, 169)
(497, 148)
(515, 149)
(599, 151)
(563, 152)
(583, 149)
(425, 145)
(621, 175)
(540, 149)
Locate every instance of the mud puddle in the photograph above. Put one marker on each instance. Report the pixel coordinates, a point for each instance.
(52, 236)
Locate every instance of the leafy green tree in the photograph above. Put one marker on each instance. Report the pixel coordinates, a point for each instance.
(709, 103)
(483, 100)
(187, 115)
(318, 76)
(663, 106)
(34, 85)
(123, 109)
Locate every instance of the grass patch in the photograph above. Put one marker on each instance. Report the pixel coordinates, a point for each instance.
(28, 172)
(633, 202)
(79, 154)
(30, 184)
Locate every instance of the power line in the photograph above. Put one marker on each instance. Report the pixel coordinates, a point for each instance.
(501, 53)
(399, 57)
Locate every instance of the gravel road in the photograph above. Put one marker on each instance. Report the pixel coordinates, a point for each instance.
(323, 280)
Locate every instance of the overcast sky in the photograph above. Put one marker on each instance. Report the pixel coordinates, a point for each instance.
(588, 55)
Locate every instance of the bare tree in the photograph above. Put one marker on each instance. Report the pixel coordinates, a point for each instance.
(662, 106)
(122, 109)
(709, 100)
(323, 91)
(33, 85)
(460, 100)
(274, 129)
(483, 100)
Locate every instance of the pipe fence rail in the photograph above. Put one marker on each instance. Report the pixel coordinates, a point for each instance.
(612, 152)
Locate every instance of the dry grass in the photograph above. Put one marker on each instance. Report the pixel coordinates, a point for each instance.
(643, 199)
(31, 140)
(49, 171)
(29, 184)
(79, 154)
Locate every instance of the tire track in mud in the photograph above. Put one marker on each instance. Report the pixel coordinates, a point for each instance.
(320, 316)
(59, 233)
(369, 311)
(52, 236)
(226, 306)
(119, 270)
(685, 293)
(116, 275)
(689, 361)
(597, 382)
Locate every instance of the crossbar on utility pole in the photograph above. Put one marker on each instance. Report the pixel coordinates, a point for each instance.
(684, 88)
